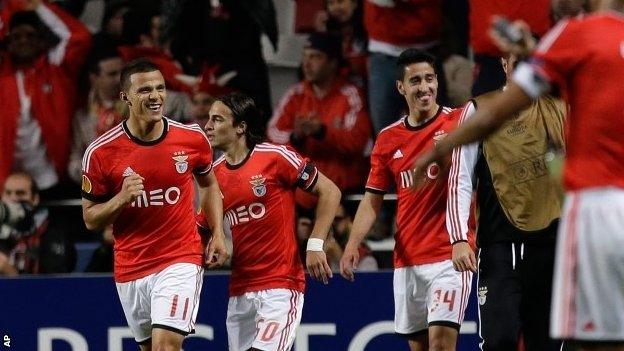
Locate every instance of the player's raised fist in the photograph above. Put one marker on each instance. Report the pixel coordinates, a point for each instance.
(131, 188)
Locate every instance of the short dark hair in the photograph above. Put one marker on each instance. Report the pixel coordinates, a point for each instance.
(411, 56)
(34, 189)
(140, 65)
(244, 109)
(105, 51)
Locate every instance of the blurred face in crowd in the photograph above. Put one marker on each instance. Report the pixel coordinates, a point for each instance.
(201, 107)
(318, 67)
(115, 23)
(304, 228)
(145, 96)
(24, 43)
(106, 81)
(155, 30)
(19, 188)
(341, 224)
(419, 87)
(341, 10)
(220, 127)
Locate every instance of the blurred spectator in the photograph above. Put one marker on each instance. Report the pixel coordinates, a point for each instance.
(458, 70)
(304, 229)
(393, 26)
(227, 33)
(345, 19)
(211, 86)
(489, 74)
(104, 109)
(111, 28)
(41, 248)
(334, 246)
(324, 117)
(102, 258)
(37, 90)
(141, 35)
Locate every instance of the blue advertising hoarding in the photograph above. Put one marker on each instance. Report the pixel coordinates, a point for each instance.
(83, 313)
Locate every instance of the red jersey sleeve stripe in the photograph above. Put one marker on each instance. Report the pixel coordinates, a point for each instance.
(288, 155)
(453, 204)
(86, 160)
(550, 38)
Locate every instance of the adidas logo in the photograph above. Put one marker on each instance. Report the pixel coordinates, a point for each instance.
(397, 154)
(128, 171)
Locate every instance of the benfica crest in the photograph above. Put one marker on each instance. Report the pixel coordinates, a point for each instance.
(181, 165)
(257, 185)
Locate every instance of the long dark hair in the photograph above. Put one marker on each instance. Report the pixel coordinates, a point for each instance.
(356, 22)
(244, 109)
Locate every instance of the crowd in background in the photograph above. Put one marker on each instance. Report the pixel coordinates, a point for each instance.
(59, 87)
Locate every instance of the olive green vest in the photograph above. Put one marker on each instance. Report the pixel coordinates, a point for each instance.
(516, 157)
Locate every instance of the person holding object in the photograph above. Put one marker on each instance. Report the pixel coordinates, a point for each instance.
(588, 300)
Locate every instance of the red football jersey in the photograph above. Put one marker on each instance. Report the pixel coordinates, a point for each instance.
(259, 207)
(158, 228)
(421, 235)
(585, 57)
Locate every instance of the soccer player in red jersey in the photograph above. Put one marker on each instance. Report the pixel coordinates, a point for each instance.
(430, 296)
(584, 57)
(258, 182)
(139, 177)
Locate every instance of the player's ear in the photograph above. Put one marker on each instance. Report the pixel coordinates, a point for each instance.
(124, 97)
(400, 87)
(242, 127)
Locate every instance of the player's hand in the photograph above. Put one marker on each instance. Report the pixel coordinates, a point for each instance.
(464, 257)
(216, 251)
(521, 49)
(319, 269)
(131, 188)
(349, 261)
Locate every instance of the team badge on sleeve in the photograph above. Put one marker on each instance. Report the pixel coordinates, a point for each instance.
(181, 165)
(86, 184)
(257, 185)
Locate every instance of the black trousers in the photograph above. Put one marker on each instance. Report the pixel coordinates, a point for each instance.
(514, 293)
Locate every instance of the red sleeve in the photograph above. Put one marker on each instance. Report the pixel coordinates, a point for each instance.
(204, 159)
(295, 170)
(94, 184)
(352, 136)
(379, 178)
(283, 120)
(558, 52)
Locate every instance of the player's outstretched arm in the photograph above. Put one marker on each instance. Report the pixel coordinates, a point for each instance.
(99, 215)
(326, 208)
(212, 204)
(484, 122)
(364, 218)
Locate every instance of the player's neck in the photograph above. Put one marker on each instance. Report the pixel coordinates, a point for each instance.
(236, 152)
(417, 117)
(145, 130)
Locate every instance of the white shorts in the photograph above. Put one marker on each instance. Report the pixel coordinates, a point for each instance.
(429, 294)
(168, 299)
(588, 289)
(266, 320)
